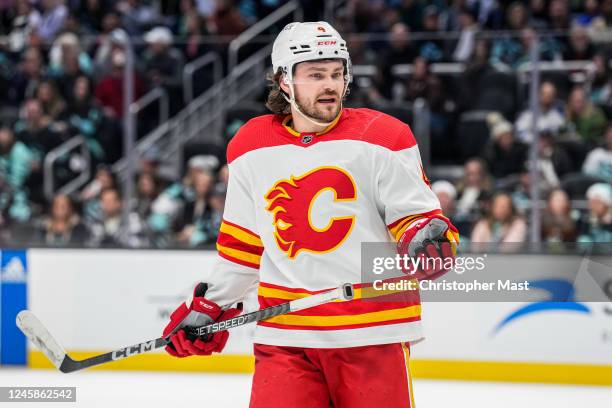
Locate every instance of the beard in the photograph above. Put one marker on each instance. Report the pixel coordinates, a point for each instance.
(317, 112)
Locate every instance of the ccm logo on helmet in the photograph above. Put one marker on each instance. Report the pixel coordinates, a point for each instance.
(326, 43)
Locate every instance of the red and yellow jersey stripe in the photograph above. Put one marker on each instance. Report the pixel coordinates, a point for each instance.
(239, 245)
(398, 227)
(360, 312)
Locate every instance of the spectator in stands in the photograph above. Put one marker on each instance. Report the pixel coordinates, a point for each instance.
(601, 85)
(196, 224)
(464, 47)
(191, 36)
(580, 46)
(85, 118)
(53, 104)
(147, 191)
(503, 154)
(538, 13)
(70, 68)
(66, 52)
(90, 196)
(476, 68)
(598, 162)
(475, 187)
(162, 63)
(502, 226)
(553, 161)
(15, 162)
(26, 20)
(602, 25)
(29, 75)
(111, 230)
(559, 15)
(512, 52)
(73, 25)
(550, 118)
(109, 91)
(422, 83)
(63, 225)
(517, 16)
(186, 8)
(419, 80)
(226, 19)
(411, 13)
(590, 12)
(597, 225)
(91, 14)
(588, 120)
(137, 15)
(111, 21)
(149, 162)
(432, 49)
(521, 191)
(446, 193)
(166, 209)
(450, 16)
(558, 224)
(108, 43)
(400, 51)
(35, 131)
(54, 14)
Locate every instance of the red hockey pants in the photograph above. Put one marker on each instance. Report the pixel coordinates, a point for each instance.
(375, 376)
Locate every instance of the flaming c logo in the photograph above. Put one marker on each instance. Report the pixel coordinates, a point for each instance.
(290, 202)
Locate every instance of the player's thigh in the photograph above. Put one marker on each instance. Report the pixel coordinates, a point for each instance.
(284, 377)
(370, 376)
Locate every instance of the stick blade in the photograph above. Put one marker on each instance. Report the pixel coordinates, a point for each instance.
(34, 330)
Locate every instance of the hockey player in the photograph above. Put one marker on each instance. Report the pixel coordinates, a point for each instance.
(308, 184)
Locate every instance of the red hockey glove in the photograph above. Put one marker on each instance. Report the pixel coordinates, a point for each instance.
(197, 311)
(432, 245)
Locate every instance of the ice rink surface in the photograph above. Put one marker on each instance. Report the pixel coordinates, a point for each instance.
(151, 390)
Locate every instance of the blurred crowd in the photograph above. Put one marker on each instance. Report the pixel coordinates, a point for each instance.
(62, 65)
(61, 75)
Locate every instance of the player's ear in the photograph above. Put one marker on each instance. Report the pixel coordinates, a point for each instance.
(283, 82)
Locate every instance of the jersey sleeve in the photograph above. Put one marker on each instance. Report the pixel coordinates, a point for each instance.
(239, 247)
(404, 191)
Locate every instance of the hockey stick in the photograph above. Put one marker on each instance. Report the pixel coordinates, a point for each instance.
(40, 336)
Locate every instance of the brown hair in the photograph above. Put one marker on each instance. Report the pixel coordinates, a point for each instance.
(276, 101)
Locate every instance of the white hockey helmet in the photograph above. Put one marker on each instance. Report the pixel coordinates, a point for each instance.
(300, 42)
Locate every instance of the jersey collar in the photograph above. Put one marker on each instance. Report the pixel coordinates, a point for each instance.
(295, 133)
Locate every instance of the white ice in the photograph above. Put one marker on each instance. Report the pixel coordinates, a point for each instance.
(152, 390)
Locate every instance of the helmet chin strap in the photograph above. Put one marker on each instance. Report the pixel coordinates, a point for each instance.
(295, 106)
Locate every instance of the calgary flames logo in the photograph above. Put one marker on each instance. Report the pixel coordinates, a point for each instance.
(290, 202)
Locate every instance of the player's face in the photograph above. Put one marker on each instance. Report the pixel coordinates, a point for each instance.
(319, 86)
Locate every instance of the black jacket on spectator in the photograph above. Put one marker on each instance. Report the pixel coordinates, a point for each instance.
(41, 140)
(503, 162)
(393, 56)
(77, 235)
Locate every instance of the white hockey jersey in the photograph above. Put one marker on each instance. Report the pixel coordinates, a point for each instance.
(298, 208)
